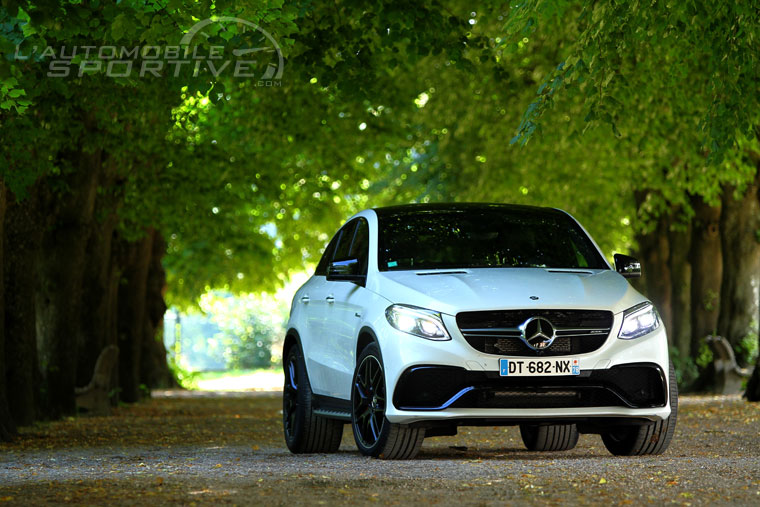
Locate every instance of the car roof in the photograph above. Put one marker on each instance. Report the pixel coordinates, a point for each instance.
(463, 206)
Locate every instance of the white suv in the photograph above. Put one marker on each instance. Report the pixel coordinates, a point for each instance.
(423, 318)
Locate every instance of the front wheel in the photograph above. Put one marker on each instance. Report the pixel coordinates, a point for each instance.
(376, 436)
(652, 438)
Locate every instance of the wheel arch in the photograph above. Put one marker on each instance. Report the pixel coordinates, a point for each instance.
(292, 339)
(366, 336)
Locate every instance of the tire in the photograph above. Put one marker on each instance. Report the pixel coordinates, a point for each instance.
(374, 435)
(305, 432)
(653, 438)
(552, 437)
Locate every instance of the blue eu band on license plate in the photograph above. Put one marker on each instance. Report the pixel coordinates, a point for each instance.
(539, 367)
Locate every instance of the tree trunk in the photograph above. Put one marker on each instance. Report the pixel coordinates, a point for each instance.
(654, 254)
(707, 272)
(154, 369)
(112, 316)
(680, 269)
(739, 226)
(98, 327)
(24, 232)
(99, 290)
(7, 428)
(135, 258)
(753, 386)
(60, 293)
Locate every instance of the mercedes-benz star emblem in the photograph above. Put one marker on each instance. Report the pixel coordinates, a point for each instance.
(537, 333)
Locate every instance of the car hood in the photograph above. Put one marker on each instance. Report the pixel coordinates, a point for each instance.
(453, 291)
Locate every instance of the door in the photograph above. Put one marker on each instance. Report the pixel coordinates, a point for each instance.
(344, 313)
(318, 303)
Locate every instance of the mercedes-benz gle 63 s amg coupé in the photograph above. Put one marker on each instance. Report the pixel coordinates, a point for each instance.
(423, 318)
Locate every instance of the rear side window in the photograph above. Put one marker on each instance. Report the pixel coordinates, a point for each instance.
(327, 256)
(343, 249)
(360, 245)
(338, 248)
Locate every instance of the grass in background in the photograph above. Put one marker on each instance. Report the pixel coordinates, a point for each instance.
(262, 379)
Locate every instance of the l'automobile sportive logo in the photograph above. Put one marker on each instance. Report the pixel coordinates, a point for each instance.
(248, 51)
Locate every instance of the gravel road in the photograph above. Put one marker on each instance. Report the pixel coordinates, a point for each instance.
(186, 448)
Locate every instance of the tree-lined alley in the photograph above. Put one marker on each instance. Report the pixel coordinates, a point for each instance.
(121, 192)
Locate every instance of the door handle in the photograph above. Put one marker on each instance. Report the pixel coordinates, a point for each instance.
(330, 299)
(305, 299)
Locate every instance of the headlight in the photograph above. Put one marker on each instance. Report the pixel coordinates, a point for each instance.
(417, 321)
(638, 321)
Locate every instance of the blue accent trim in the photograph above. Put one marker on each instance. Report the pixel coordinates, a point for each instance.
(445, 405)
(416, 368)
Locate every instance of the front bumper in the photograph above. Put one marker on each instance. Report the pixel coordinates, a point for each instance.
(440, 381)
(433, 388)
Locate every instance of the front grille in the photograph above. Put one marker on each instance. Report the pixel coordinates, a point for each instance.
(637, 385)
(497, 332)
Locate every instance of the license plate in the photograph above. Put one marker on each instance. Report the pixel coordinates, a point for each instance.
(538, 367)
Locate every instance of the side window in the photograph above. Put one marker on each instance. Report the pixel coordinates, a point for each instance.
(343, 248)
(327, 256)
(351, 242)
(360, 245)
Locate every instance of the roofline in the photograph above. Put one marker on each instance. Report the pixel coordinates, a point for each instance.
(463, 206)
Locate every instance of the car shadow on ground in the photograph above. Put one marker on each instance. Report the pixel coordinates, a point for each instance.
(472, 454)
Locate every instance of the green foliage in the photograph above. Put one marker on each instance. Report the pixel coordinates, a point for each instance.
(696, 58)
(686, 368)
(248, 327)
(711, 300)
(240, 331)
(231, 378)
(12, 97)
(383, 104)
(747, 351)
(185, 378)
(705, 356)
(675, 83)
(262, 177)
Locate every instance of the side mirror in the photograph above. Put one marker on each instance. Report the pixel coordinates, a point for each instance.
(627, 266)
(346, 271)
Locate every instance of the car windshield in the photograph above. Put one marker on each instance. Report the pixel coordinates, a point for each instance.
(483, 237)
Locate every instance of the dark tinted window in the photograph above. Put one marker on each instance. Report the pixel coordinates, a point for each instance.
(343, 249)
(327, 256)
(478, 237)
(360, 246)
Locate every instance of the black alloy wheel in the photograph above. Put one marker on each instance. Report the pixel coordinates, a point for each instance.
(374, 434)
(369, 400)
